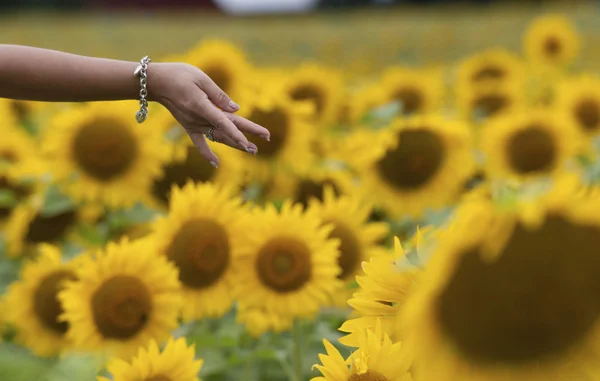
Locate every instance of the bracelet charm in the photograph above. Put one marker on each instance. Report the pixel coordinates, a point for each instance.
(141, 72)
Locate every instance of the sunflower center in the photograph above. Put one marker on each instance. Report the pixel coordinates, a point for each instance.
(45, 303)
(284, 264)
(310, 93)
(418, 156)
(308, 189)
(201, 251)
(104, 149)
(221, 77)
(552, 46)
(50, 229)
(159, 377)
(277, 122)
(368, 376)
(587, 113)
(195, 168)
(350, 250)
(538, 300)
(411, 98)
(491, 104)
(8, 155)
(487, 73)
(121, 307)
(531, 150)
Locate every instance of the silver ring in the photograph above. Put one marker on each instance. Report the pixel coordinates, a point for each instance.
(209, 134)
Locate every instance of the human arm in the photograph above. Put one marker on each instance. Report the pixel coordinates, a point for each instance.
(29, 73)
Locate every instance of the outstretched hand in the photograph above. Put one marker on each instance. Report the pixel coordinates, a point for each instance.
(200, 106)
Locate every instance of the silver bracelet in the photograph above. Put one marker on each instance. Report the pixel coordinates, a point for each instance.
(141, 71)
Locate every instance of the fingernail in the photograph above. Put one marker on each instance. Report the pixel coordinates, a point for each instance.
(234, 105)
(266, 137)
(214, 164)
(244, 147)
(252, 150)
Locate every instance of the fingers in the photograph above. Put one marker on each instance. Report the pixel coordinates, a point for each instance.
(220, 137)
(218, 96)
(250, 127)
(202, 146)
(221, 122)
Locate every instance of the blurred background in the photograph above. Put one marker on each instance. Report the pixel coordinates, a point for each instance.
(277, 32)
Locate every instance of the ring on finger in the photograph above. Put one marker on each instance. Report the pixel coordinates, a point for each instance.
(209, 134)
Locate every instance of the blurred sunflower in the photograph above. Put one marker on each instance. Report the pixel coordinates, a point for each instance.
(389, 280)
(489, 100)
(125, 296)
(28, 226)
(427, 161)
(376, 359)
(288, 264)
(32, 304)
(321, 87)
(176, 362)
(113, 159)
(364, 100)
(292, 138)
(551, 41)
(258, 320)
(200, 236)
(22, 112)
(531, 143)
(225, 64)
(187, 164)
(493, 66)
(418, 91)
(358, 237)
(580, 99)
(466, 322)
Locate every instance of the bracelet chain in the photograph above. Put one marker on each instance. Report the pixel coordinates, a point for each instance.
(141, 71)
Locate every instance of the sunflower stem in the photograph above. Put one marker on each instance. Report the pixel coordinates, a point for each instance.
(297, 359)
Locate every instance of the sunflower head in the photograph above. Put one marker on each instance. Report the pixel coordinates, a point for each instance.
(418, 92)
(112, 159)
(551, 40)
(423, 156)
(495, 66)
(125, 296)
(489, 100)
(529, 144)
(468, 322)
(292, 258)
(579, 98)
(175, 362)
(200, 236)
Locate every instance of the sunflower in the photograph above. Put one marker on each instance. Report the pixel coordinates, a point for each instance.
(364, 100)
(28, 225)
(376, 359)
(510, 295)
(113, 158)
(389, 280)
(418, 91)
(21, 113)
(358, 237)
(32, 304)
(187, 164)
(258, 321)
(551, 41)
(489, 100)
(125, 296)
(532, 143)
(225, 64)
(321, 87)
(200, 236)
(580, 99)
(494, 66)
(292, 138)
(427, 161)
(176, 362)
(288, 264)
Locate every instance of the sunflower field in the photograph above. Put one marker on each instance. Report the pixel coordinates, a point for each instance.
(434, 223)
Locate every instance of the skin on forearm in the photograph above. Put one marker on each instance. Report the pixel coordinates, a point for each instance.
(28, 73)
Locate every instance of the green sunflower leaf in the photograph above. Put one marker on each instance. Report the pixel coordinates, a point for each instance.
(56, 203)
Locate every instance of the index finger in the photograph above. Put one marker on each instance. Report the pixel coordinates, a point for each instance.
(220, 121)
